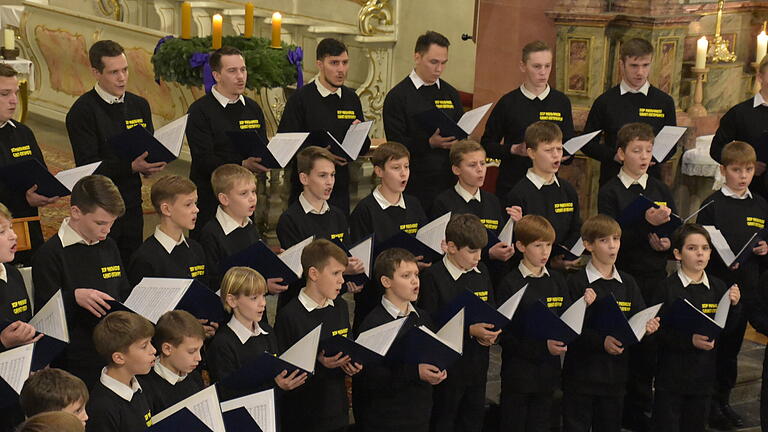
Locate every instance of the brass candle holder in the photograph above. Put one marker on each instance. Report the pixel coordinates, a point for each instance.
(698, 109)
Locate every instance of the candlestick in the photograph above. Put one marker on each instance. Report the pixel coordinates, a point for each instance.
(9, 39)
(698, 109)
(248, 33)
(277, 21)
(762, 46)
(216, 25)
(186, 20)
(701, 52)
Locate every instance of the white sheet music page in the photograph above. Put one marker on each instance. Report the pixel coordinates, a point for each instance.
(15, 365)
(574, 315)
(51, 319)
(362, 251)
(284, 145)
(203, 404)
(510, 306)
(355, 138)
(304, 352)
(261, 406)
(172, 135)
(666, 140)
(507, 232)
(469, 121)
(576, 143)
(721, 245)
(379, 339)
(433, 233)
(292, 256)
(153, 297)
(71, 176)
(638, 320)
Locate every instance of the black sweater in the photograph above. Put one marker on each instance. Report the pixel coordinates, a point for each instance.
(186, 261)
(612, 110)
(636, 255)
(294, 225)
(488, 209)
(17, 144)
(91, 122)
(108, 412)
(321, 403)
(438, 289)
(161, 394)
(218, 246)
(526, 364)
(588, 368)
(14, 301)
(368, 218)
(513, 113)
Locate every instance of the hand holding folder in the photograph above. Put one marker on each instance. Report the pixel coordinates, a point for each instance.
(440, 349)
(349, 148)
(30, 172)
(163, 146)
(274, 155)
(434, 119)
(683, 316)
(540, 323)
(570, 253)
(606, 318)
(427, 243)
(371, 346)
(724, 250)
(362, 250)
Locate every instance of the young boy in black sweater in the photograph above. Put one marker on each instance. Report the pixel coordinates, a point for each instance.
(102, 113)
(53, 389)
(738, 214)
(459, 401)
(530, 369)
(685, 380)
(392, 395)
(225, 108)
(321, 404)
(118, 403)
(543, 193)
(168, 253)
(534, 100)
(85, 265)
(326, 105)
(174, 377)
(246, 336)
(595, 369)
(384, 213)
(633, 100)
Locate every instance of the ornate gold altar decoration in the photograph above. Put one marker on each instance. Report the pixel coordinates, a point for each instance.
(374, 16)
(110, 8)
(719, 50)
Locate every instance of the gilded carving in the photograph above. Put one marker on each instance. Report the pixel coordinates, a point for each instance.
(64, 51)
(374, 17)
(142, 82)
(111, 9)
(667, 56)
(374, 89)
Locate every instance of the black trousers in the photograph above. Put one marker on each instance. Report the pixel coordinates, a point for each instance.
(525, 412)
(128, 233)
(728, 347)
(457, 406)
(582, 413)
(675, 412)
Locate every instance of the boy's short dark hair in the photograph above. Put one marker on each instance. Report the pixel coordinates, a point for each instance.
(7, 71)
(173, 326)
(167, 188)
(329, 47)
(51, 390)
(388, 261)
(319, 253)
(306, 158)
(686, 230)
(635, 47)
(388, 151)
(52, 421)
(599, 226)
(466, 230)
(96, 191)
(117, 331)
(533, 228)
(461, 148)
(103, 48)
(215, 60)
(534, 47)
(738, 152)
(224, 177)
(428, 39)
(542, 132)
(634, 131)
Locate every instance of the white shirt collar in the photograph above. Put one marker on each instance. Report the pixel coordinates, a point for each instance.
(540, 182)
(8, 122)
(465, 195)
(309, 208)
(687, 281)
(310, 304)
(3, 273)
(108, 98)
(242, 332)
(526, 272)
(166, 241)
(223, 99)
(394, 311)
(731, 194)
(324, 92)
(527, 93)
(69, 236)
(625, 88)
(418, 82)
(229, 224)
(759, 100)
(628, 181)
(454, 270)
(167, 374)
(383, 203)
(120, 389)
(594, 274)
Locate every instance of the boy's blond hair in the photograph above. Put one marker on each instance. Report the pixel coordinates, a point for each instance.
(225, 177)
(52, 421)
(599, 226)
(388, 151)
(241, 281)
(4, 212)
(458, 150)
(533, 228)
(542, 132)
(167, 188)
(117, 331)
(738, 152)
(51, 389)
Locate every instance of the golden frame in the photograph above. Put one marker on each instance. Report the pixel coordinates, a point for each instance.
(583, 67)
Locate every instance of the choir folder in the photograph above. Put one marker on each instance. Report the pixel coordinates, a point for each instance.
(540, 323)
(683, 316)
(29, 172)
(478, 311)
(440, 349)
(371, 346)
(163, 146)
(349, 148)
(254, 413)
(427, 242)
(606, 317)
(260, 257)
(434, 119)
(274, 155)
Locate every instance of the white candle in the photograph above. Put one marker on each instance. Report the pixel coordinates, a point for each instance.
(762, 46)
(701, 52)
(9, 39)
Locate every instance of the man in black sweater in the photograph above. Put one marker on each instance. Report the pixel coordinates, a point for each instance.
(17, 143)
(223, 109)
(534, 100)
(326, 104)
(633, 100)
(421, 91)
(97, 116)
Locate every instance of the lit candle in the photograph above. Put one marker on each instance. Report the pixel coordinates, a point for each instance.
(277, 21)
(216, 23)
(762, 46)
(186, 20)
(248, 20)
(9, 39)
(701, 52)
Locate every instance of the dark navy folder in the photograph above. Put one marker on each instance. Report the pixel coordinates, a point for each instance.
(686, 318)
(421, 347)
(357, 353)
(251, 144)
(133, 142)
(747, 251)
(260, 371)
(761, 147)
(260, 257)
(240, 420)
(605, 316)
(29, 172)
(475, 311)
(434, 119)
(634, 213)
(541, 323)
(203, 303)
(410, 243)
(8, 396)
(181, 421)
(45, 351)
(324, 139)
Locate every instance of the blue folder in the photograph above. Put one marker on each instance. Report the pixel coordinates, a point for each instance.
(434, 119)
(634, 213)
(605, 316)
(251, 144)
(45, 351)
(681, 316)
(29, 172)
(410, 243)
(133, 142)
(181, 421)
(475, 311)
(260, 257)
(540, 323)
(422, 348)
(258, 372)
(747, 252)
(8, 396)
(240, 420)
(357, 353)
(565, 251)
